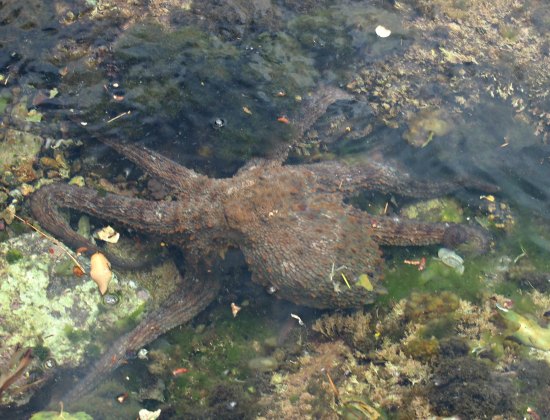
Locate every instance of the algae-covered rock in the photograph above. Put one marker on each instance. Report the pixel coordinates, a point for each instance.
(424, 126)
(435, 210)
(51, 318)
(18, 148)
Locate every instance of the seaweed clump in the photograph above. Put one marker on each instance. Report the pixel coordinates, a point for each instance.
(307, 392)
(357, 329)
(467, 387)
(404, 358)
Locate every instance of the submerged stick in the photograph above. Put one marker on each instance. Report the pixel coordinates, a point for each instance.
(52, 239)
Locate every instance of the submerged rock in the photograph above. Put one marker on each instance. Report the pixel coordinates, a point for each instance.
(51, 318)
(424, 126)
(18, 153)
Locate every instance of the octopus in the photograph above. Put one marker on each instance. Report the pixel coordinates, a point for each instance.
(298, 236)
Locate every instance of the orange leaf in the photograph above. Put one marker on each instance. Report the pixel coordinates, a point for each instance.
(283, 119)
(81, 250)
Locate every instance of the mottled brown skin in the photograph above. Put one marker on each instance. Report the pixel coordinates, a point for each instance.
(290, 222)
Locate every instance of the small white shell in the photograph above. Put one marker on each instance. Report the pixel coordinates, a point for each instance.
(451, 259)
(382, 31)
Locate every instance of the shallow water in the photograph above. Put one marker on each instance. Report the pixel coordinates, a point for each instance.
(456, 91)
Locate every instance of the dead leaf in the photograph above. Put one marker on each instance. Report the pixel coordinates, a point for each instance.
(235, 309)
(108, 234)
(100, 271)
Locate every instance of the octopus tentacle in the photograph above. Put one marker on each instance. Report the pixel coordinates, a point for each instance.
(311, 110)
(384, 177)
(156, 217)
(171, 173)
(395, 231)
(190, 299)
(159, 217)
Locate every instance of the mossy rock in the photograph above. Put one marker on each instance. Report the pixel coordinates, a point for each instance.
(55, 314)
(18, 147)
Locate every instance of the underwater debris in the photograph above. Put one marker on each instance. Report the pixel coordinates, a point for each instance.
(263, 364)
(382, 31)
(283, 119)
(142, 354)
(107, 234)
(527, 331)
(357, 410)
(296, 317)
(218, 123)
(123, 114)
(179, 371)
(451, 259)
(121, 398)
(17, 365)
(145, 414)
(235, 309)
(420, 263)
(426, 125)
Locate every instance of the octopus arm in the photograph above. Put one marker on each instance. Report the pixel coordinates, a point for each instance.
(156, 217)
(182, 306)
(171, 173)
(385, 177)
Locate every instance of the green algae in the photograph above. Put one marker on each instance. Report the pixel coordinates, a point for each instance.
(41, 352)
(215, 357)
(76, 336)
(131, 320)
(13, 255)
(283, 63)
(4, 101)
(435, 210)
(401, 279)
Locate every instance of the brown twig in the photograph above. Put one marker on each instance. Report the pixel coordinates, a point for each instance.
(10, 379)
(119, 116)
(334, 389)
(51, 238)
